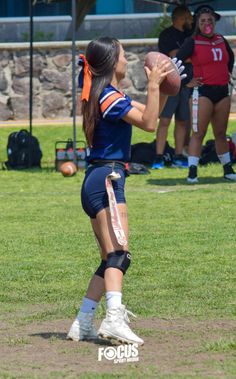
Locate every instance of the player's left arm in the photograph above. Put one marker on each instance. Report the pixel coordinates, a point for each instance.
(231, 55)
(136, 104)
(186, 50)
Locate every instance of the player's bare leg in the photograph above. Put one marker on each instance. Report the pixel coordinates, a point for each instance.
(219, 125)
(115, 325)
(197, 137)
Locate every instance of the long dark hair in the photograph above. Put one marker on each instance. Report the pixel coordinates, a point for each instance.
(102, 55)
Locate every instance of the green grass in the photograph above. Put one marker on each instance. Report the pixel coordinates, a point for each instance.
(182, 240)
(49, 134)
(222, 345)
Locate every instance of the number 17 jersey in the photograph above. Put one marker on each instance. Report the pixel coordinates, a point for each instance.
(210, 60)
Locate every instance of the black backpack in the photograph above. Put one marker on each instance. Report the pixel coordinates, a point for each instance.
(209, 154)
(19, 146)
(145, 153)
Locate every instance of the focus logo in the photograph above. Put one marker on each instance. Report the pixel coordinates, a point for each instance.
(119, 354)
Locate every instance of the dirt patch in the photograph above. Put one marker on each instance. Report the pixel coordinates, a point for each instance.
(176, 348)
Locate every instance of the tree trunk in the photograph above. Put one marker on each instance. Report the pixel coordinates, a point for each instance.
(82, 8)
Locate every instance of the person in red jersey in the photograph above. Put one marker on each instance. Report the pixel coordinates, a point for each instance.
(213, 61)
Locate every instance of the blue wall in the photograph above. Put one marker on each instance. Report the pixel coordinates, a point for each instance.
(114, 7)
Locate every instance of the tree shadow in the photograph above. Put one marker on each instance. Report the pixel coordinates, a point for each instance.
(32, 170)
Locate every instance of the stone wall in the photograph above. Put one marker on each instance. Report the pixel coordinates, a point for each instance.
(52, 77)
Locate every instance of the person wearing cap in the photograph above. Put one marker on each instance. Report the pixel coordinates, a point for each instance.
(213, 61)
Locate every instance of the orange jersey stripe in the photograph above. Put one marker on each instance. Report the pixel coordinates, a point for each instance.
(110, 100)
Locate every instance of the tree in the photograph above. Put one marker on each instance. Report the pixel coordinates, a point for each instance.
(162, 23)
(82, 8)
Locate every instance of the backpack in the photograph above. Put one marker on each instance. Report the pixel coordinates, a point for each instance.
(18, 151)
(209, 155)
(145, 153)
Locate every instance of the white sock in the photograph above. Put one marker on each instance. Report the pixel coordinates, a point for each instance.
(224, 158)
(88, 305)
(193, 161)
(113, 299)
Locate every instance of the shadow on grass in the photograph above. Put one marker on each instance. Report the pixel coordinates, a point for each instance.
(32, 170)
(50, 336)
(183, 181)
(53, 336)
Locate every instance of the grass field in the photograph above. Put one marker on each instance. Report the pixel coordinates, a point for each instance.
(181, 283)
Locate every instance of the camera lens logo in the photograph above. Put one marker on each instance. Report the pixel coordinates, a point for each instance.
(110, 353)
(119, 354)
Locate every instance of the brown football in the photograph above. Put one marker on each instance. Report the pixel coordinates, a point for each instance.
(171, 84)
(68, 168)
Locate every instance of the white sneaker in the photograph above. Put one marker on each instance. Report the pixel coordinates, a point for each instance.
(229, 173)
(231, 177)
(115, 326)
(83, 328)
(192, 180)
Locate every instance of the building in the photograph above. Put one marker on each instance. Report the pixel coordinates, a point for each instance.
(14, 8)
(119, 18)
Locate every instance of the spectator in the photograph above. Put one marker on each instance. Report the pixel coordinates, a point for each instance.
(213, 61)
(169, 42)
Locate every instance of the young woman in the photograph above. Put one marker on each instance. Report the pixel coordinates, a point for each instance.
(107, 118)
(213, 61)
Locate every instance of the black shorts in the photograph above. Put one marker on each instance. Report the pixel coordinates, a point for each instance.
(178, 105)
(214, 93)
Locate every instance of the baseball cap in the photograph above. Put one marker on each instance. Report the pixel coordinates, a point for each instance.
(208, 9)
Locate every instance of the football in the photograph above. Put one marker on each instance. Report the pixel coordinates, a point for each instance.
(68, 168)
(171, 84)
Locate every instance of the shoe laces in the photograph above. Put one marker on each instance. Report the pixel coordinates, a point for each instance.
(128, 313)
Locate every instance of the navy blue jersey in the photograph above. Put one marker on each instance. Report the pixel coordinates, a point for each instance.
(112, 135)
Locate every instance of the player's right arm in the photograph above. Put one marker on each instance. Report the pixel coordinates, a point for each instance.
(141, 107)
(145, 117)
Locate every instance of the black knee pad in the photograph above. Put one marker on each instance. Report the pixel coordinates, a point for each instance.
(101, 269)
(119, 259)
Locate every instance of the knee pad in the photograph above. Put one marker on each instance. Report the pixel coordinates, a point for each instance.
(119, 259)
(101, 269)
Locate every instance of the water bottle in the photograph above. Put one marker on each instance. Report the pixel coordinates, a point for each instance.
(70, 154)
(80, 152)
(61, 154)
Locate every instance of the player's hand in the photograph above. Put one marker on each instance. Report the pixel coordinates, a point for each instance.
(179, 67)
(195, 82)
(159, 71)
